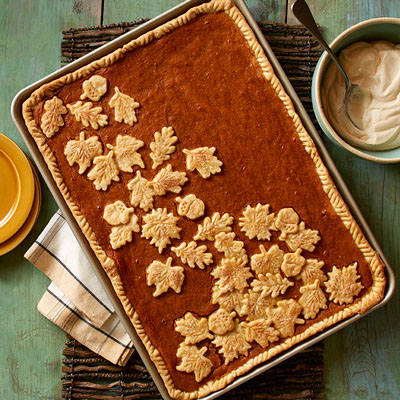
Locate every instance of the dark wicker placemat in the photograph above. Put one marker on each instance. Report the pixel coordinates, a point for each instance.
(88, 376)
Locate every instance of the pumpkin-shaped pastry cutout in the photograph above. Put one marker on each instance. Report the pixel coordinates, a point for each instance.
(190, 206)
(94, 88)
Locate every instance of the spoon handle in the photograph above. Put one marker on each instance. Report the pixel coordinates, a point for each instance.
(302, 12)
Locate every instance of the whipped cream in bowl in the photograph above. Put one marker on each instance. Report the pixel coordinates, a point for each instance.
(375, 66)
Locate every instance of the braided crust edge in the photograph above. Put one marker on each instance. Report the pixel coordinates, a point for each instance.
(372, 296)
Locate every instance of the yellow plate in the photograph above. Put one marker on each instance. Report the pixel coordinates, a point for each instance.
(17, 188)
(23, 232)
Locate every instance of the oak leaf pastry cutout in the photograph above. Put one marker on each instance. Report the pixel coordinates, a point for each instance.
(88, 115)
(52, 117)
(194, 329)
(163, 146)
(260, 331)
(82, 151)
(94, 88)
(287, 221)
(232, 344)
(193, 360)
(267, 261)
(142, 194)
(193, 255)
(254, 305)
(285, 316)
(293, 263)
(125, 152)
(167, 180)
(342, 284)
(225, 243)
(312, 299)
(271, 285)
(161, 227)
(312, 271)
(104, 171)
(303, 239)
(190, 206)
(228, 301)
(203, 160)
(257, 222)
(214, 225)
(124, 107)
(122, 234)
(117, 213)
(221, 321)
(231, 274)
(164, 276)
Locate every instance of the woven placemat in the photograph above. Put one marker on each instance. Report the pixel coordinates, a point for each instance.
(88, 376)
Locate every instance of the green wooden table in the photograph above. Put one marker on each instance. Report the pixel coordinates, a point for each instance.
(362, 361)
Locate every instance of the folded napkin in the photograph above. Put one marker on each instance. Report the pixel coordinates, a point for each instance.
(75, 299)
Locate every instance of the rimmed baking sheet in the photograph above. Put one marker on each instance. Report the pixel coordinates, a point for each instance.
(16, 111)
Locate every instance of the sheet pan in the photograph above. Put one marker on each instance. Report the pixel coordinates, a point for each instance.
(16, 111)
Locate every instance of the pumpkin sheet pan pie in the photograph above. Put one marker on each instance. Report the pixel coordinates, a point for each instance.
(206, 201)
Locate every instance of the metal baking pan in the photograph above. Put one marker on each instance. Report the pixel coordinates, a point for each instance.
(16, 111)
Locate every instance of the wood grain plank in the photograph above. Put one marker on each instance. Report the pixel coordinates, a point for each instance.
(30, 35)
(127, 10)
(362, 361)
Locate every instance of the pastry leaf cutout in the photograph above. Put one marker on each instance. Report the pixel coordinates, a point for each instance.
(142, 194)
(225, 243)
(194, 329)
(162, 146)
(52, 117)
(104, 171)
(203, 160)
(164, 276)
(124, 107)
(312, 300)
(82, 151)
(257, 222)
(193, 360)
(193, 255)
(88, 115)
(125, 152)
(267, 261)
(260, 331)
(167, 180)
(214, 225)
(271, 285)
(122, 234)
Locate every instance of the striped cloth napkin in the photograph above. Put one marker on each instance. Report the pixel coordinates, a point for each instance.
(75, 299)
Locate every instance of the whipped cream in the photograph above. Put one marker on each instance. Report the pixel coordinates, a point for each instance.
(376, 67)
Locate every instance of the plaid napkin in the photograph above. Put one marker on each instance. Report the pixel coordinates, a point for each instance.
(75, 299)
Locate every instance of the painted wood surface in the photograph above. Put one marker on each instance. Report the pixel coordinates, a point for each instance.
(362, 361)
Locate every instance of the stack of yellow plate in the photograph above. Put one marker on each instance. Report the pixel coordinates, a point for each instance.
(20, 195)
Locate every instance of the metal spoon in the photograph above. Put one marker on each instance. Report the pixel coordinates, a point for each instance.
(302, 12)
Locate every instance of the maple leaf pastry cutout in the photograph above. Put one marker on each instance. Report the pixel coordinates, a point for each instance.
(125, 152)
(228, 301)
(193, 255)
(231, 274)
(82, 151)
(94, 88)
(203, 160)
(267, 261)
(214, 225)
(88, 115)
(124, 107)
(163, 146)
(164, 276)
(285, 316)
(160, 227)
(193, 360)
(142, 194)
(193, 329)
(52, 117)
(257, 222)
(232, 344)
(168, 180)
(255, 304)
(260, 331)
(312, 299)
(104, 171)
(342, 284)
(311, 271)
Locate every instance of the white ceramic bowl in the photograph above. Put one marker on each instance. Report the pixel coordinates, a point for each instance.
(369, 30)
